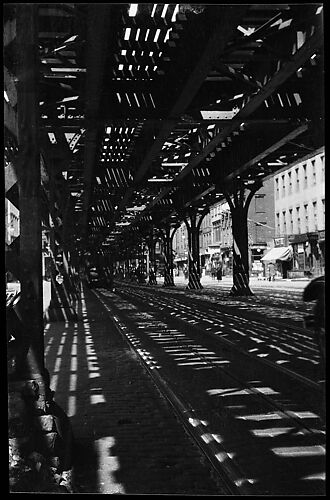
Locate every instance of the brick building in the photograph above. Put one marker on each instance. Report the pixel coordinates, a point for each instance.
(299, 193)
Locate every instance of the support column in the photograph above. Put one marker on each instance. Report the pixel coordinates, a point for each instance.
(239, 206)
(29, 185)
(30, 402)
(167, 233)
(151, 242)
(60, 307)
(108, 270)
(193, 223)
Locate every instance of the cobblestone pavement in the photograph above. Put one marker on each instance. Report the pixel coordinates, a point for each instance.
(128, 440)
(280, 300)
(267, 421)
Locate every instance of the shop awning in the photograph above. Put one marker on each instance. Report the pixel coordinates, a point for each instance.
(278, 253)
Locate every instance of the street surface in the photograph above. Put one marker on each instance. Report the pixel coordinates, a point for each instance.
(192, 391)
(245, 365)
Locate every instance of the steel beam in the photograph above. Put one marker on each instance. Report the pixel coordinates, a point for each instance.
(222, 29)
(97, 37)
(274, 147)
(28, 174)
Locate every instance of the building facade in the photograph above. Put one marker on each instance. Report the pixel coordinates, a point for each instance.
(12, 229)
(288, 211)
(299, 193)
(216, 239)
(12, 222)
(180, 248)
(261, 230)
(222, 239)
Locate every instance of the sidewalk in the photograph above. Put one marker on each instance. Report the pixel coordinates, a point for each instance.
(128, 440)
(227, 282)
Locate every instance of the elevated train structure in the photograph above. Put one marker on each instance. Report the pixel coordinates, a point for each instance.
(148, 113)
(121, 121)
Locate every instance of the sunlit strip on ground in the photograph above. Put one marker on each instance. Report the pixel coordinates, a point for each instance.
(299, 451)
(282, 335)
(275, 416)
(197, 353)
(272, 431)
(93, 367)
(201, 426)
(318, 476)
(108, 465)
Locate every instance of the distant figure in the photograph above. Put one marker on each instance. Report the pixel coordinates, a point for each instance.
(213, 272)
(152, 276)
(185, 272)
(219, 272)
(271, 272)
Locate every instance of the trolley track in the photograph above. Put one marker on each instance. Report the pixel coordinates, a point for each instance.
(210, 320)
(129, 325)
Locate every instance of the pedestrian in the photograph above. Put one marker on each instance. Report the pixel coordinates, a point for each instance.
(152, 276)
(213, 272)
(219, 272)
(271, 272)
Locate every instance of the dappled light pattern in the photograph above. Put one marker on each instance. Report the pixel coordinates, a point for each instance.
(272, 304)
(183, 349)
(119, 422)
(285, 347)
(244, 405)
(73, 364)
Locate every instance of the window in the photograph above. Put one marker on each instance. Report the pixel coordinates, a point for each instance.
(297, 179)
(259, 203)
(290, 182)
(291, 220)
(306, 218)
(278, 223)
(284, 221)
(298, 220)
(283, 185)
(322, 165)
(313, 173)
(315, 215)
(305, 175)
(218, 233)
(277, 193)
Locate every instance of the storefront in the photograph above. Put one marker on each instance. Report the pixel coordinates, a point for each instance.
(256, 253)
(308, 253)
(227, 260)
(281, 257)
(180, 264)
(212, 256)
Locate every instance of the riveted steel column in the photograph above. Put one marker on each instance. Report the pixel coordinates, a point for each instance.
(29, 185)
(151, 242)
(193, 226)
(167, 236)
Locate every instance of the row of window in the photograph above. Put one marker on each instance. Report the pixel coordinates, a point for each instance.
(300, 219)
(301, 177)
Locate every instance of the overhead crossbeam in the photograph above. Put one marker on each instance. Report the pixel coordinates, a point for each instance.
(97, 37)
(274, 147)
(286, 70)
(222, 29)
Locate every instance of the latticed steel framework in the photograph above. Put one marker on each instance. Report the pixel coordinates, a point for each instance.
(149, 110)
